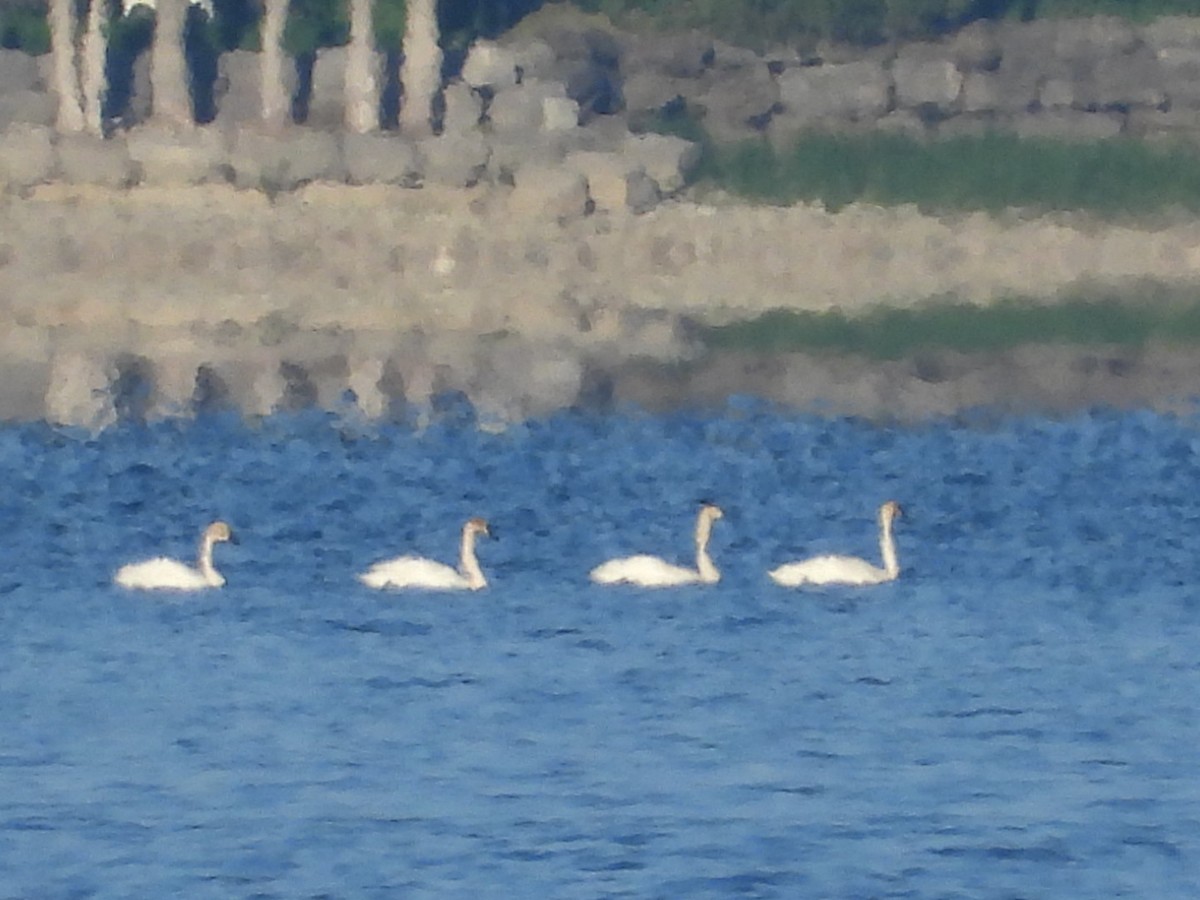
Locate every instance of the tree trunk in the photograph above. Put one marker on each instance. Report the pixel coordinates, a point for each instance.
(169, 89)
(61, 18)
(422, 72)
(276, 105)
(362, 84)
(93, 78)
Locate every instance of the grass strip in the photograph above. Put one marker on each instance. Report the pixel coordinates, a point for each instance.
(891, 333)
(991, 173)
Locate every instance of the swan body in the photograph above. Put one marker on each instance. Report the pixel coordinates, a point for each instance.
(847, 569)
(162, 573)
(651, 571)
(418, 572)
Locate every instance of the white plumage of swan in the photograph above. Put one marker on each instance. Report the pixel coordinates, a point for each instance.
(418, 572)
(651, 571)
(162, 573)
(847, 569)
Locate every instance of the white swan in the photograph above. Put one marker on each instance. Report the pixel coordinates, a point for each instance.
(171, 574)
(417, 572)
(651, 571)
(847, 569)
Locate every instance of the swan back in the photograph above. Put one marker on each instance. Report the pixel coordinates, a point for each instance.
(644, 570)
(829, 570)
(414, 572)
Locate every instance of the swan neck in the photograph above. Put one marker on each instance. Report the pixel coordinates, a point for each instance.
(205, 563)
(468, 564)
(887, 546)
(709, 573)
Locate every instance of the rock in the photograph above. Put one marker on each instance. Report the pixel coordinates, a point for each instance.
(510, 155)
(78, 391)
(925, 78)
(606, 175)
(550, 195)
(642, 193)
(969, 125)
(534, 59)
(648, 92)
(1124, 80)
(249, 381)
(1089, 37)
(167, 156)
(522, 109)
(237, 92)
(1068, 125)
(1027, 58)
(1167, 32)
(975, 47)
(559, 114)
(738, 102)
(24, 372)
(367, 382)
(685, 55)
(904, 121)
(453, 160)
(285, 161)
(669, 160)
(26, 107)
(84, 159)
(491, 65)
(464, 109)
(327, 101)
(27, 156)
(1154, 124)
(19, 72)
(380, 158)
(1179, 68)
(1057, 93)
(985, 92)
(518, 380)
(139, 107)
(855, 90)
(596, 88)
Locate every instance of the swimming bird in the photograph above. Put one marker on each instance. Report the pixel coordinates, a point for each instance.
(847, 569)
(651, 571)
(171, 574)
(418, 572)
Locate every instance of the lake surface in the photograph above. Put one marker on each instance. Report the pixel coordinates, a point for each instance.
(1015, 717)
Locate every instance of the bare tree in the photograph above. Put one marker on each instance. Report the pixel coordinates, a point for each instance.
(172, 102)
(276, 106)
(61, 18)
(422, 72)
(92, 77)
(362, 82)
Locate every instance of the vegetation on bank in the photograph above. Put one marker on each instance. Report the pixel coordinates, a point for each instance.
(324, 23)
(991, 173)
(866, 22)
(1156, 315)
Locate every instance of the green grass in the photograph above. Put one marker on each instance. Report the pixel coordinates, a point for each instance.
(990, 173)
(889, 333)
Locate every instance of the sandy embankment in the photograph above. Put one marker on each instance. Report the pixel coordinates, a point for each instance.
(399, 294)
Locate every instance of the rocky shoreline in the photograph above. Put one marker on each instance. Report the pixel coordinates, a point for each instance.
(380, 300)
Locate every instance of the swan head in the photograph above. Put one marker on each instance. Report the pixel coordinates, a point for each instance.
(711, 511)
(890, 511)
(219, 531)
(477, 526)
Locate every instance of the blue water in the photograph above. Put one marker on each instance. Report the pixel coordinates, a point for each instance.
(1015, 717)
